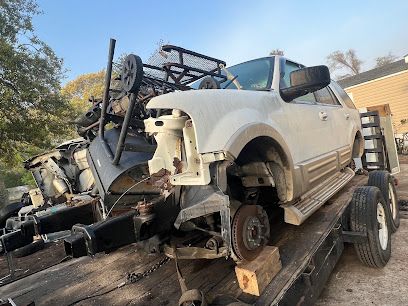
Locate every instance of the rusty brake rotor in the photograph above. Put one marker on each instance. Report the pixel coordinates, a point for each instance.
(250, 231)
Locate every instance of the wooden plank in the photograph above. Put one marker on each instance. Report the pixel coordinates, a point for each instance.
(254, 276)
(66, 282)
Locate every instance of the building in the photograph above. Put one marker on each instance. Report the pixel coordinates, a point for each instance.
(387, 84)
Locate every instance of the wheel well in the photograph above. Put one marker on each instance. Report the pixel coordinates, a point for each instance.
(358, 145)
(266, 149)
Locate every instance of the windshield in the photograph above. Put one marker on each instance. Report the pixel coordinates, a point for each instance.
(252, 75)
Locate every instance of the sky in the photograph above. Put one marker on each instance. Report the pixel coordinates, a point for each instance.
(234, 31)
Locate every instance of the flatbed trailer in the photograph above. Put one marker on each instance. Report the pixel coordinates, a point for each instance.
(308, 254)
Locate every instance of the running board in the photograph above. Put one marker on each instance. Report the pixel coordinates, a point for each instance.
(298, 212)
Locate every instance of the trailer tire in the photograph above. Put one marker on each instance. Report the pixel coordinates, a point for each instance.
(369, 214)
(29, 249)
(384, 181)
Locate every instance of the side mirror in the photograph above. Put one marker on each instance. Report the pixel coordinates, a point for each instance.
(305, 80)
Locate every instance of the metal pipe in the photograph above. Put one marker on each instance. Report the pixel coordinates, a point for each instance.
(108, 76)
(123, 132)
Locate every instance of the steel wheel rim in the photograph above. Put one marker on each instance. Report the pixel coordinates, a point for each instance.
(382, 226)
(393, 201)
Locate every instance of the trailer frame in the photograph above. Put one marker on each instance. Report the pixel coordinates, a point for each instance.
(308, 252)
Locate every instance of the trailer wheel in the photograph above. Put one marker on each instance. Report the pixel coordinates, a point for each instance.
(384, 181)
(370, 215)
(29, 249)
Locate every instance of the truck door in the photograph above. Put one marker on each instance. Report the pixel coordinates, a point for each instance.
(339, 120)
(310, 121)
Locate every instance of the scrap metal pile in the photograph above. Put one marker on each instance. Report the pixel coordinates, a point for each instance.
(123, 181)
(99, 186)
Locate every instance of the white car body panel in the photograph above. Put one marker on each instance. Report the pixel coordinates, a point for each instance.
(318, 138)
(218, 114)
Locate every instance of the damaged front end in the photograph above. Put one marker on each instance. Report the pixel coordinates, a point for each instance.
(156, 187)
(177, 163)
(230, 227)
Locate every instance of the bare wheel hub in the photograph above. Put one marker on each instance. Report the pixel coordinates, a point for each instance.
(382, 226)
(250, 231)
(393, 202)
(253, 237)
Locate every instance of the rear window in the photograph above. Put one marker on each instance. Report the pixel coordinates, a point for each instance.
(343, 95)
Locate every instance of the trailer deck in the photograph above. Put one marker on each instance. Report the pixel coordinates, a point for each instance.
(301, 274)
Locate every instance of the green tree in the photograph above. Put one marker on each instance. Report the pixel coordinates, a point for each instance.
(32, 111)
(79, 90)
(3, 194)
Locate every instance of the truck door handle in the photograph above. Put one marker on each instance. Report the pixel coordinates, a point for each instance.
(323, 116)
(347, 116)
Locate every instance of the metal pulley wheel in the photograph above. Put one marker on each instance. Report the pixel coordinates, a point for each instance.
(250, 231)
(132, 73)
(209, 83)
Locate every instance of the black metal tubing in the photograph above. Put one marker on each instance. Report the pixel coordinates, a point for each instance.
(177, 75)
(163, 84)
(75, 245)
(123, 132)
(61, 220)
(105, 102)
(168, 48)
(14, 240)
(167, 68)
(102, 236)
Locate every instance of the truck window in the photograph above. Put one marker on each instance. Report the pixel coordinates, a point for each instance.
(253, 75)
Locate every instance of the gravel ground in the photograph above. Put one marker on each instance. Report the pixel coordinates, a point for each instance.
(351, 283)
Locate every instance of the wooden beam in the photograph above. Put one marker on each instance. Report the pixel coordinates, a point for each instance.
(254, 276)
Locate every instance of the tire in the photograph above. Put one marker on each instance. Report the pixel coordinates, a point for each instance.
(29, 249)
(385, 182)
(370, 214)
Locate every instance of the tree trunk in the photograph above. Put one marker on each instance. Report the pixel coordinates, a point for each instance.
(3, 194)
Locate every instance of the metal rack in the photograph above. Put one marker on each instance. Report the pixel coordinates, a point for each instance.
(170, 68)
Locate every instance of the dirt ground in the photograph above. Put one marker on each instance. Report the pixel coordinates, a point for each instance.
(351, 283)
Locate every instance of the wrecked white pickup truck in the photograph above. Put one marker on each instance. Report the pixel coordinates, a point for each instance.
(278, 133)
(204, 157)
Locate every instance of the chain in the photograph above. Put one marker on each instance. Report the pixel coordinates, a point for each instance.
(134, 277)
(131, 278)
